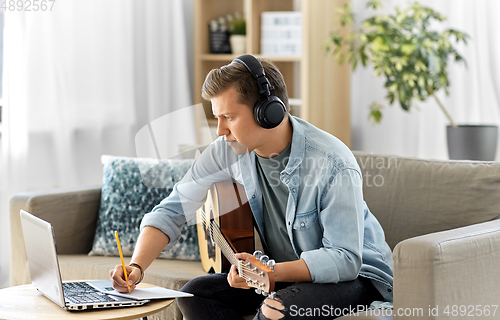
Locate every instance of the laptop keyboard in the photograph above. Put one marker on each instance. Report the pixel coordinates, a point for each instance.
(82, 293)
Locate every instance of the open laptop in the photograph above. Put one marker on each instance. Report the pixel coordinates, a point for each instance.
(46, 276)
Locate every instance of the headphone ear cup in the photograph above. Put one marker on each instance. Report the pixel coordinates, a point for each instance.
(270, 112)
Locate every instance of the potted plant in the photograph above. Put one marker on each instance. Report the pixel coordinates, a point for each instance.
(413, 59)
(238, 39)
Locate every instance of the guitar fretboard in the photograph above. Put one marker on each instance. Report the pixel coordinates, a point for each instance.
(219, 238)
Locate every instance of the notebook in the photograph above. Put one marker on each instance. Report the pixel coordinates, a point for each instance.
(46, 276)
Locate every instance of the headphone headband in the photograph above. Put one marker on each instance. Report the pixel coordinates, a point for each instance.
(257, 70)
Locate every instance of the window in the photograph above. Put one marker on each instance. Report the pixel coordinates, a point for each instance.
(2, 13)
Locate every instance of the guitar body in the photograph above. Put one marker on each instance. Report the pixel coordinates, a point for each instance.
(228, 206)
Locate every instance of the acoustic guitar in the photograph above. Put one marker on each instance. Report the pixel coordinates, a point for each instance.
(227, 205)
(224, 225)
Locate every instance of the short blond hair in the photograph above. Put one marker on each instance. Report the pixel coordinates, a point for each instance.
(237, 75)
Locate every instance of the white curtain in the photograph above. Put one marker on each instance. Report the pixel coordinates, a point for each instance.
(474, 91)
(80, 81)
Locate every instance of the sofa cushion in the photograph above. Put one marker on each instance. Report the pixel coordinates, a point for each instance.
(412, 197)
(131, 188)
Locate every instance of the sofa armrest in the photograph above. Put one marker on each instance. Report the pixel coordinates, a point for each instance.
(72, 213)
(457, 267)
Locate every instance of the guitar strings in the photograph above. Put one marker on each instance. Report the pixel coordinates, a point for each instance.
(225, 247)
(222, 241)
(228, 251)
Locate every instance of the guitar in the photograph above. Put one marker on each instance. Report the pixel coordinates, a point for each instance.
(227, 205)
(234, 217)
(215, 244)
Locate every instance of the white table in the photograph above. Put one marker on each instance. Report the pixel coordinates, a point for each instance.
(25, 302)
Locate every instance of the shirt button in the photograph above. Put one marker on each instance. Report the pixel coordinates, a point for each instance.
(244, 163)
(302, 224)
(293, 190)
(253, 197)
(289, 223)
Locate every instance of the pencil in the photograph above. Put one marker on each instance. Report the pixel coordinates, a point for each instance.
(121, 257)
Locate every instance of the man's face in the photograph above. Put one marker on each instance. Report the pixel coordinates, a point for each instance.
(236, 123)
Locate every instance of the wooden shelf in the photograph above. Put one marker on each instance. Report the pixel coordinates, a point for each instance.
(319, 86)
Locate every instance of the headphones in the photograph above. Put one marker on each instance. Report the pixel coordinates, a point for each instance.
(269, 111)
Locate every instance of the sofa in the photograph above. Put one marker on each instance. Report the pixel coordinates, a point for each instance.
(440, 218)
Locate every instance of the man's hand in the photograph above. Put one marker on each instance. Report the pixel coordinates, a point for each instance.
(234, 278)
(118, 278)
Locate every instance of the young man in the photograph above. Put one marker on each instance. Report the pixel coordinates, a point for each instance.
(305, 191)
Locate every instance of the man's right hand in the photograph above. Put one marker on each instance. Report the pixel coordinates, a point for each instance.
(118, 278)
(150, 243)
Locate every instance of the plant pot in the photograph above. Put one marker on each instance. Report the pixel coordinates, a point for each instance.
(238, 43)
(472, 142)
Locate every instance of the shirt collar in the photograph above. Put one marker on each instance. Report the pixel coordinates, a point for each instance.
(298, 146)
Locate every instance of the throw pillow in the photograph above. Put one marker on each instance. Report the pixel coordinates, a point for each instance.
(131, 188)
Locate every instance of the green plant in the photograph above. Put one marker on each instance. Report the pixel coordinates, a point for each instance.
(412, 57)
(238, 26)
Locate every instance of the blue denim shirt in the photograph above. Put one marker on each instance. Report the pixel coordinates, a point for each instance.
(328, 222)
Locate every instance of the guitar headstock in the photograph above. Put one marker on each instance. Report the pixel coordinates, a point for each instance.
(258, 270)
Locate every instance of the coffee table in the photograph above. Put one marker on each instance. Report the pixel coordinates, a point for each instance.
(25, 302)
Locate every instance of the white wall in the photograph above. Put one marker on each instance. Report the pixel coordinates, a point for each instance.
(474, 91)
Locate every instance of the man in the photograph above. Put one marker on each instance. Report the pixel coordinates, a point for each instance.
(305, 191)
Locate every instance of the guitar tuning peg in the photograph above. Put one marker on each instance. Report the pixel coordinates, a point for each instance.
(257, 254)
(258, 291)
(272, 295)
(271, 264)
(264, 259)
(265, 294)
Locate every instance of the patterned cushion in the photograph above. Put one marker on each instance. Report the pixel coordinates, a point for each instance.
(131, 188)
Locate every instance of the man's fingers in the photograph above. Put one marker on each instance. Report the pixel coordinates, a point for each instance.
(234, 279)
(117, 275)
(231, 276)
(242, 255)
(123, 289)
(133, 275)
(118, 278)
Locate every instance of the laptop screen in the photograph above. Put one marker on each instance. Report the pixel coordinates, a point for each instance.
(42, 257)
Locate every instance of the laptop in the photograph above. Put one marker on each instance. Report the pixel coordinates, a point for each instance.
(46, 276)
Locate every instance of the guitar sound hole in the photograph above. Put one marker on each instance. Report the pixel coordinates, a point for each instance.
(208, 237)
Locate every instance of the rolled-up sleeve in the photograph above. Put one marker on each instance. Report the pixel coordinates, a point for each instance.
(189, 194)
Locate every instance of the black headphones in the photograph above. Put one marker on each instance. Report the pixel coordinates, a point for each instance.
(269, 111)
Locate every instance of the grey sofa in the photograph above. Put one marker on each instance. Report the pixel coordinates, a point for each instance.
(440, 218)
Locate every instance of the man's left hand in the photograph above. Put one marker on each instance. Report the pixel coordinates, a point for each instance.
(234, 278)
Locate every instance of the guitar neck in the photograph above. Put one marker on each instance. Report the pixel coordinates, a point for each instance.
(256, 269)
(224, 245)
(258, 274)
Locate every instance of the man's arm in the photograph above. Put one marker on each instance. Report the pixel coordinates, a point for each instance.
(150, 243)
(292, 271)
(163, 223)
(342, 218)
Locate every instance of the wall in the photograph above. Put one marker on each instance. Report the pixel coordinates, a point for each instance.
(474, 91)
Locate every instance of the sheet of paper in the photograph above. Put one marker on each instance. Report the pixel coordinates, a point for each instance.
(139, 293)
(151, 293)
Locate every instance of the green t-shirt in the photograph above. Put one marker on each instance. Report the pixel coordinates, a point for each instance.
(275, 198)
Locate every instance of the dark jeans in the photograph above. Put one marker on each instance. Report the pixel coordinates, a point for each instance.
(215, 299)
